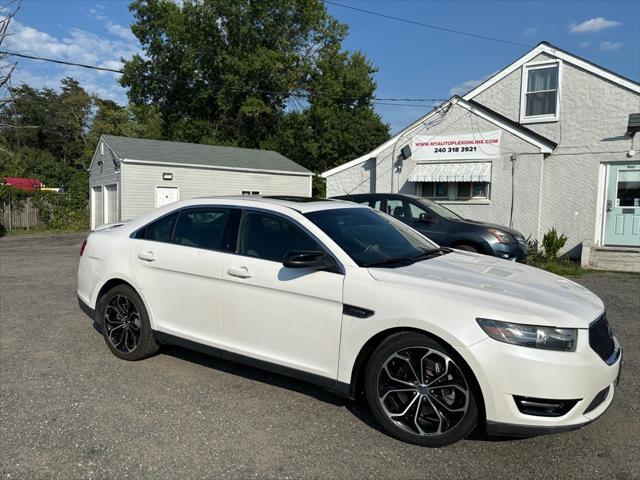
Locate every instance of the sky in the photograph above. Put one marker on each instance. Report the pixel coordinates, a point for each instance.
(412, 61)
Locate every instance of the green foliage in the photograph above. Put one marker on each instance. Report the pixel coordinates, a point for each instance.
(552, 243)
(257, 75)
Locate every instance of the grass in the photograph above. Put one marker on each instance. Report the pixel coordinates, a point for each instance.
(563, 267)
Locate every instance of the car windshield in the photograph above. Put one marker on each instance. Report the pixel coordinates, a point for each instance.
(372, 238)
(439, 209)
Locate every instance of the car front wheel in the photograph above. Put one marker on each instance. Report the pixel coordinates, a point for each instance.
(125, 324)
(419, 391)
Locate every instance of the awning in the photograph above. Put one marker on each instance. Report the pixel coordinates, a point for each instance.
(451, 172)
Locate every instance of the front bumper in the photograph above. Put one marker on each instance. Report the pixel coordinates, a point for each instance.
(505, 371)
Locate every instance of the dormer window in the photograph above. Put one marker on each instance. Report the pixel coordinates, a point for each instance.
(540, 92)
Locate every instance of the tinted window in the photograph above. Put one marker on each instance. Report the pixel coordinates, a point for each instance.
(201, 227)
(160, 230)
(270, 237)
(396, 208)
(369, 237)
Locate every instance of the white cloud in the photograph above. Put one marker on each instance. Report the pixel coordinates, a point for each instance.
(586, 44)
(529, 32)
(468, 85)
(608, 46)
(78, 46)
(593, 25)
(113, 28)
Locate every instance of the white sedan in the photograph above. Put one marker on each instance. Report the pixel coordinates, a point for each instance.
(438, 341)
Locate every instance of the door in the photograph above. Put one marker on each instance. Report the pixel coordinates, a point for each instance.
(166, 195)
(98, 207)
(111, 203)
(178, 262)
(622, 212)
(289, 317)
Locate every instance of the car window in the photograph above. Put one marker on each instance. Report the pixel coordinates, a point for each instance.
(369, 237)
(415, 211)
(271, 237)
(395, 208)
(160, 230)
(201, 228)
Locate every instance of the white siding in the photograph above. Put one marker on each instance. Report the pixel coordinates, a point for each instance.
(139, 184)
(102, 175)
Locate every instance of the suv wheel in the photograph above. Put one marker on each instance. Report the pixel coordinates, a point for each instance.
(419, 391)
(125, 324)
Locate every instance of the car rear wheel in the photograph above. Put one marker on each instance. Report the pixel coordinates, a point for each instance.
(125, 324)
(420, 391)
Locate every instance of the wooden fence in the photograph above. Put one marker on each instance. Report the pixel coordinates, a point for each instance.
(21, 214)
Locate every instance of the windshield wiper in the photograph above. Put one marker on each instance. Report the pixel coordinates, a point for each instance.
(436, 252)
(389, 261)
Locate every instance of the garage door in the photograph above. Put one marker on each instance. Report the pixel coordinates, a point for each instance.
(98, 207)
(111, 203)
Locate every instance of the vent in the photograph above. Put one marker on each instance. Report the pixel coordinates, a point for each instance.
(634, 123)
(543, 407)
(598, 399)
(601, 338)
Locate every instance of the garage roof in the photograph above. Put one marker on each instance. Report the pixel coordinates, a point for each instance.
(178, 153)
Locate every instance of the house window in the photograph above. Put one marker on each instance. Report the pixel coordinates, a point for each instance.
(250, 192)
(455, 190)
(540, 92)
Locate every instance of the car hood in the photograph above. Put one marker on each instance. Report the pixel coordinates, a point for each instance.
(510, 231)
(516, 292)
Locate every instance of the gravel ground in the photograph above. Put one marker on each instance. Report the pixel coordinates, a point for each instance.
(70, 409)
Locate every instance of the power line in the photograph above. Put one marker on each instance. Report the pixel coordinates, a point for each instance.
(426, 25)
(62, 62)
(378, 100)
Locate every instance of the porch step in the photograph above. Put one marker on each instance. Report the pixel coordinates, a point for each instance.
(615, 258)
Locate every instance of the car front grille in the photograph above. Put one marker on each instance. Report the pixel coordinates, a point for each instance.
(601, 339)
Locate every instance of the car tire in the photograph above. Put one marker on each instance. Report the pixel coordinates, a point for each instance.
(467, 248)
(125, 324)
(436, 409)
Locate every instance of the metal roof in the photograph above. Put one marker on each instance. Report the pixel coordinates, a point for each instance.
(451, 172)
(192, 154)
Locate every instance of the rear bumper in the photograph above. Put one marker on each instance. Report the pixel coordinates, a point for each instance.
(90, 312)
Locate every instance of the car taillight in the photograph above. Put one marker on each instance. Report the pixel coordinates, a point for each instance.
(84, 245)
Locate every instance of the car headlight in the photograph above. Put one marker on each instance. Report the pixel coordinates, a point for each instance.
(547, 338)
(501, 236)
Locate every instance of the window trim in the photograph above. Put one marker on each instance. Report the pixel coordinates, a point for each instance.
(453, 194)
(526, 68)
(340, 267)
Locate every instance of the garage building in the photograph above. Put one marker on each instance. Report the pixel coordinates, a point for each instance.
(131, 176)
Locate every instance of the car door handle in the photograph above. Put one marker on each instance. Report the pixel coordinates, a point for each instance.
(147, 256)
(240, 272)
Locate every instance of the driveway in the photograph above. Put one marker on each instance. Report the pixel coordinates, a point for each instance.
(70, 409)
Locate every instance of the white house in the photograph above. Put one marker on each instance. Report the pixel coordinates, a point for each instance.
(548, 141)
(131, 176)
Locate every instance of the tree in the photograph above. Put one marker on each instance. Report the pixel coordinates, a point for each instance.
(255, 74)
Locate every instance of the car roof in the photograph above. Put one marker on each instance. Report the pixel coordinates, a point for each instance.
(378, 195)
(299, 204)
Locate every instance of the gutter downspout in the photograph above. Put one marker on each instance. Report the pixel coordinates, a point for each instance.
(540, 198)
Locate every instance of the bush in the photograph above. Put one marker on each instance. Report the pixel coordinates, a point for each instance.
(552, 243)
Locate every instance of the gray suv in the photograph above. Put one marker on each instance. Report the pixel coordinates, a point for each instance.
(445, 227)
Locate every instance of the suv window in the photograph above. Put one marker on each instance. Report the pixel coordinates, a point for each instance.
(270, 237)
(201, 228)
(160, 230)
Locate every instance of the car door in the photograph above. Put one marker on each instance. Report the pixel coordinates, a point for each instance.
(427, 222)
(179, 262)
(288, 317)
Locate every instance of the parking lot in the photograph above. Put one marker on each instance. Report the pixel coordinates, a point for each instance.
(70, 409)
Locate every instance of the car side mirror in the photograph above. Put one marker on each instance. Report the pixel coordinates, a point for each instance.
(310, 259)
(426, 218)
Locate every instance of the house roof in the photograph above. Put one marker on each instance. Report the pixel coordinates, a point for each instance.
(138, 150)
(546, 47)
(545, 145)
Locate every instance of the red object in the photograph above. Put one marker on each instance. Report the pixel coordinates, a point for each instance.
(28, 184)
(84, 245)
